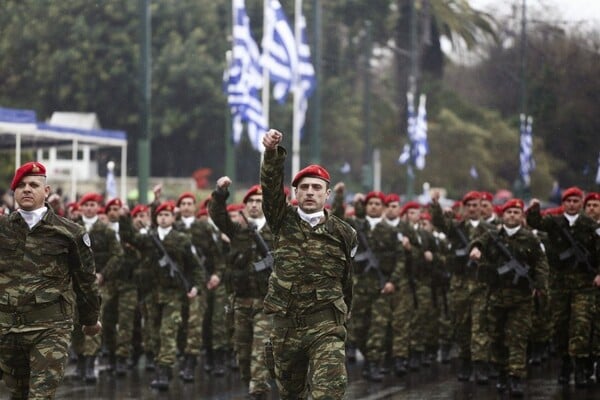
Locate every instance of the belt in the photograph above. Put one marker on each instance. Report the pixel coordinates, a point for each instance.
(307, 320)
(15, 317)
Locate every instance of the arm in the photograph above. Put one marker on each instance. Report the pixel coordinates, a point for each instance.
(271, 180)
(217, 208)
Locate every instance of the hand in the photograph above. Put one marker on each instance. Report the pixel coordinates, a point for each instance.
(339, 187)
(435, 196)
(428, 256)
(157, 189)
(597, 281)
(406, 243)
(213, 282)
(192, 293)
(475, 254)
(225, 238)
(99, 279)
(272, 139)
(359, 197)
(223, 182)
(388, 288)
(92, 330)
(537, 293)
(534, 202)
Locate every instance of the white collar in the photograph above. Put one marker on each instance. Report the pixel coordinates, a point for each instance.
(162, 232)
(88, 222)
(188, 221)
(474, 222)
(511, 231)
(312, 219)
(33, 217)
(373, 221)
(393, 222)
(258, 222)
(571, 218)
(114, 226)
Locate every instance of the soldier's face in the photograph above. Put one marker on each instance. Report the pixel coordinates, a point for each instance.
(413, 215)
(487, 209)
(187, 207)
(392, 210)
(426, 225)
(312, 193)
(31, 192)
(512, 217)
(472, 209)
(103, 218)
(165, 219)
(89, 209)
(113, 213)
(572, 204)
(142, 219)
(254, 206)
(592, 209)
(374, 207)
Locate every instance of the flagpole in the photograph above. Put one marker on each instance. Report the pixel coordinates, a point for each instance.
(296, 92)
(266, 81)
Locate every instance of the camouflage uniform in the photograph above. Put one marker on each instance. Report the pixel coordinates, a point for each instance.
(310, 293)
(251, 325)
(572, 294)
(510, 304)
(45, 272)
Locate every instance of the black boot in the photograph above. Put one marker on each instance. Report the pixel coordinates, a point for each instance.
(112, 362)
(480, 372)
(121, 368)
(163, 375)
(414, 361)
(90, 371)
(535, 357)
(80, 368)
(445, 354)
(373, 372)
(564, 376)
(515, 386)
(232, 360)
(464, 370)
(493, 372)
(400, 366)
(581, 378)
(209, 360)
(502, 383)
(219, 363)
(188, 368)
(257, 396)
(351, 353)
(150, 366)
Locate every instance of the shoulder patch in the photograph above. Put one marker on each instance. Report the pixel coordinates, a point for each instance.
(194, 251)
(86, 240)
(400, 236)
(598, 231)
(353, 251)
(542, 247)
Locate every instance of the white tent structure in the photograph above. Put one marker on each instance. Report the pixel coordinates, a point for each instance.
(20, 130)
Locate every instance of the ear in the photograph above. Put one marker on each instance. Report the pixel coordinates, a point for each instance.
(328, 193)
(46, 191)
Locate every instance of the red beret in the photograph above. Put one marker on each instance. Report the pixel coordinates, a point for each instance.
(294, 202)
(254, 190)
(185, 195)
(591, 196)
(487, 196)
(472, 195)
(426, 215)
(73, 206)
(553, 211)
(235, 207)
(202, 212)
(408, 206)
(165, 206)
(456, 204)
(314, 171)
(101, 210)
(90, 197)
(390, 198)
(138, 209)
(375, 194)
(30, 168)
(513, 203)
(114, 202)
(572, 191)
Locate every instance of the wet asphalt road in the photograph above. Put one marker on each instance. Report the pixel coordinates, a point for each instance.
(435, 382)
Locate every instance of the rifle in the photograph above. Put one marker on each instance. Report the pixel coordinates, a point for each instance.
(368, 256)
(167, 262)
(520, 270)
(580, 255)
(463, 251)
(266, 263)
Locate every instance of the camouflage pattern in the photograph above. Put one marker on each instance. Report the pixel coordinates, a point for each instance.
(572, 293)
(310, 292)
(250, 325)
(44, 273)
(511, 305)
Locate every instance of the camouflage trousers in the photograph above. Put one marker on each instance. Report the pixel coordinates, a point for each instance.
(572, 312)
(218, 325)
(310, 359)
(422, 326)
(459, 304)
(252, 328)
(193, 324)
(480, 334)
(402, 313)
(34, 362)
(84, 345)
(150, 311)
(541, 321)
(169, 306)
(596, 328)
(510, 326)
(119, 303)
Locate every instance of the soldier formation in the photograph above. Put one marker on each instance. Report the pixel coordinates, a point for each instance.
(293, 290)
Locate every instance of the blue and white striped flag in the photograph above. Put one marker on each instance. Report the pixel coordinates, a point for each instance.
(417, 148)
(244, 80)
(527, 163)
(598, 173)
(306, 74)
(280, 53)
(111, 183)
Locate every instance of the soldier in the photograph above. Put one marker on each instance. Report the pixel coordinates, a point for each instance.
(591, 208)
(575, 275)
(249, 283)
(46, 267)
(512, 261)
(487, 209)
(310, 288)
(108, 255)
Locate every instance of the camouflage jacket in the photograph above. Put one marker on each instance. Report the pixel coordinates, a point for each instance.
(524, 246)
(242, 277)
(108, 253)
(313, 265)
(50, 263)
(210, 251)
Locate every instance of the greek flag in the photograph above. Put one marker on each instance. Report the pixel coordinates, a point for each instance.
(244, 80)
(527, 163)
(280, 55)
(111, 183)
(306, 74)
(417, 148)
(598, 173)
